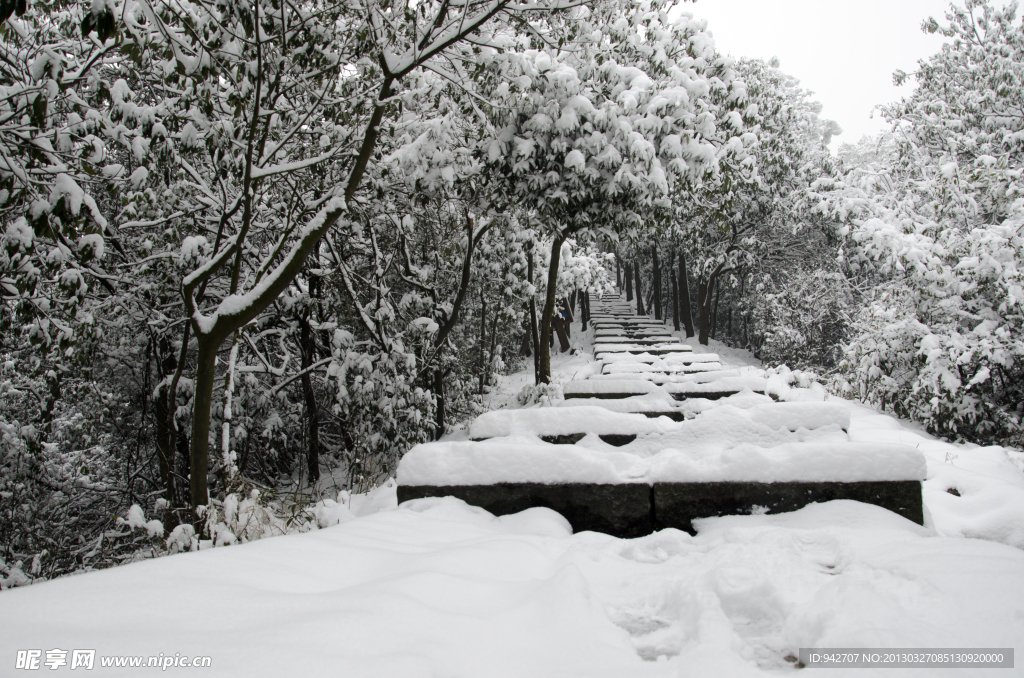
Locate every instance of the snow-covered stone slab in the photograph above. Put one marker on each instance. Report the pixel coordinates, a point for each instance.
(516, 461)
(653, 405)
(550, 421)
(512, 460)
(712, 373)
(689, 363)
(619, 510)
(621, 323)
(619, 336)
(634, 339)
(625, 494)
(677, 505)
(718, 388)
(656, 349)
(604, 328)
(612, 323)
(611, 388)
(815, 461)
(599, 342)
(658, 361)
(698, 369)
(807, 415)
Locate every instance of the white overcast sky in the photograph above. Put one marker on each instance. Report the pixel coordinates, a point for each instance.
(844, 51)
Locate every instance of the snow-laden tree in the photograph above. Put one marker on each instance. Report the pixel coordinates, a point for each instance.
(770, 225)
(595, 135)
(941, 339)
(220, 141)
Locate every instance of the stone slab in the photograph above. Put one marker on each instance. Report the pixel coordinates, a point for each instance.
(678, 504)
(639, 350)
(628, 340)
(619, 510)
(706, 395)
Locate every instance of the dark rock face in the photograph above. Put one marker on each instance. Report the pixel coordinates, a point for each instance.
(633, 510)
(618, 510)
(674, 416)
(618, 439)
(677, 504)
(602, 396)
(566, 439)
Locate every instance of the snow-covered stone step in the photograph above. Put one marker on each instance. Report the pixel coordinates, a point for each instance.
(659, 362)
(677, 505)
(624, 388)
(600, 342)
(513, 461)
(715, 431)
(620, 493)
(601, 350)
(653, 405)
(717, 388)
(697, 372)
(609, 389)
(619, 510)
(661, 367)
(660, 378)
(723, 426)
(607, 324)
(564, 422)
(643, 333)
(625, 322)
(637, 339)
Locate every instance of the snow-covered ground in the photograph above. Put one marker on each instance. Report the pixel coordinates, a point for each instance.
(438, 588)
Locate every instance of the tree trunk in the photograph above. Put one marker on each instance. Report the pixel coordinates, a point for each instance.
(561, 327)
(584, 310)
(312, 409)
(714, 312)
(544, 349)
(675, 300)
(704, 312)
(494, 345)
(533, 320)
(657, 283)
(536, 341)
(525, 345)
(618, 273)
(483, 338)
(684, 297)
(224, 325)
(439, 412)
(165, 455)
(639, 290)
(629, 281)
(728, 322)
(206, 362)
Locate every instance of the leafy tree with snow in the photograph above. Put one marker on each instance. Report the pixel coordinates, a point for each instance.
(220, 143)
(770, 226)
(941, 337)
(594, 138)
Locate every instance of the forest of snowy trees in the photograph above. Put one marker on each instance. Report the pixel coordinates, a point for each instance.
(252, 252)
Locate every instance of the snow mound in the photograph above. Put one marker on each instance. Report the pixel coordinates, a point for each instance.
(439, 588)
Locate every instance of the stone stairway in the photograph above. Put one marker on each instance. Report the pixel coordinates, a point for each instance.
(659, 437)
